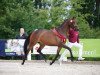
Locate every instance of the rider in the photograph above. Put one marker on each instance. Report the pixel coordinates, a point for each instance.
(73, 41)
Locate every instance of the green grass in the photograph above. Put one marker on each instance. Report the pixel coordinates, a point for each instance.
(91, 48)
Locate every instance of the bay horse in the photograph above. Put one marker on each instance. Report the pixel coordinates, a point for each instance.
(53, 37)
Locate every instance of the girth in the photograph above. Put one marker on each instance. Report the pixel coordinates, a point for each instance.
(62, 37)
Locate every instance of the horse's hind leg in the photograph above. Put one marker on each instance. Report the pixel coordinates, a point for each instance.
(30, 46)
(39, 51)
(25, 57)
(58, 50)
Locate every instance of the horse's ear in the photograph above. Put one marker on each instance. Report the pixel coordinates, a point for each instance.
(66, 20)
(73, 18)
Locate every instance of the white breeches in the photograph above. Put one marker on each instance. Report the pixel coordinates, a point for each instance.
(69, 44)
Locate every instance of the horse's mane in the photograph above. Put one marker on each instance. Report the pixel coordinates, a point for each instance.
(63, 23)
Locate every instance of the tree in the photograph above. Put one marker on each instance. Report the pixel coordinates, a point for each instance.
(14, 13)
(84, 11)
(97, 9)
(36, 14)
(20, 13)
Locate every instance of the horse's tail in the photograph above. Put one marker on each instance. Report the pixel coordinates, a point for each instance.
(26, 43)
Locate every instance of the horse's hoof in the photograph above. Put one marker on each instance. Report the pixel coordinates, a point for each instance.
(72, 60)
(45, 60)
(50, 63)
(22, 64)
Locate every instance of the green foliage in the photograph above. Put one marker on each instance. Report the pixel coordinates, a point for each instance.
(11, 21)
(36, 14)
(96, 33)
(58, 12)
(84, 28)
(84, 11)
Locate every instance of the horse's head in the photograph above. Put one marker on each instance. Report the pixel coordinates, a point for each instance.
(72, 22)
(67, 24)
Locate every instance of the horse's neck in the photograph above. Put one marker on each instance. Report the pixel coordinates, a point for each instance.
(63, 29)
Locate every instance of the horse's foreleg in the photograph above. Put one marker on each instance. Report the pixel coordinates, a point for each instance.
(64, 46)
(58, 50)
(39, 51)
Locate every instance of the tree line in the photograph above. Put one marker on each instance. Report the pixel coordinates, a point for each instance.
(46, 14)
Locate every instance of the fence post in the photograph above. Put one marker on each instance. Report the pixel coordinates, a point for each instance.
(29, 56)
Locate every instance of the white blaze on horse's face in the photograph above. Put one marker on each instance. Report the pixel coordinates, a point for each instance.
(72, 23)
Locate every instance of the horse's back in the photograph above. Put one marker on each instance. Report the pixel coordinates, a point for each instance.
(44, 33)
(44, 36)
(40, 33)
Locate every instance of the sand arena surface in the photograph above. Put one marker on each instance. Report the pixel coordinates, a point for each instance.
(14, 67)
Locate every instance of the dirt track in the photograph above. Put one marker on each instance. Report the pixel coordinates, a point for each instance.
(13, 67)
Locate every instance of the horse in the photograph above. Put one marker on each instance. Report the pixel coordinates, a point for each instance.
(52, 37)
